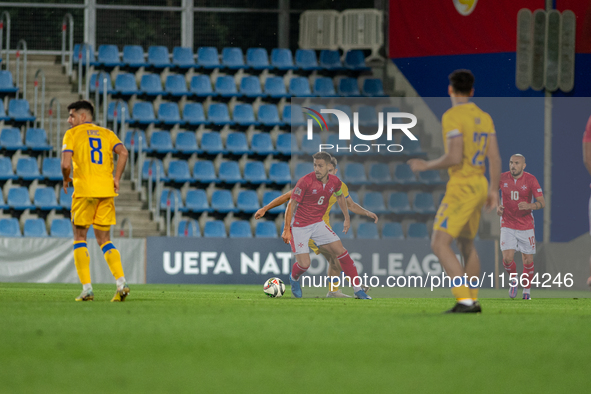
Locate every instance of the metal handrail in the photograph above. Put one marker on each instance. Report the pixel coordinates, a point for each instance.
(158, 192)
(40, 122)
(193, 224)
(176, 213)
(123, 124)
(21, 44)
(5, 15)
(97, 94)
(57, 132)
(105, 102)
(86, 47)
(68, 18)
(130, 228)
(140, 140)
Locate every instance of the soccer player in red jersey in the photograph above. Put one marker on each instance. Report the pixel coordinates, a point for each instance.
(587, 161)
(304, 221)
(518, 189)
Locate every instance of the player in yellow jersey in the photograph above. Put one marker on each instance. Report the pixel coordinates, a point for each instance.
(469, 138)
(334, 267)
(91, 148)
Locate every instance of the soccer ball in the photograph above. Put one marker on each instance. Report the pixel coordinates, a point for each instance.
(274, 287)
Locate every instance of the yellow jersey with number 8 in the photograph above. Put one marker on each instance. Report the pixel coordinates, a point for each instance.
(475, 127)
(92, 155)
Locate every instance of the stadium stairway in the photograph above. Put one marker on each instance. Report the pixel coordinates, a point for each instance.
(129, 205)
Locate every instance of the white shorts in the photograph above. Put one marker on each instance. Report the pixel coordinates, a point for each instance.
(319, 232)
(523, 241)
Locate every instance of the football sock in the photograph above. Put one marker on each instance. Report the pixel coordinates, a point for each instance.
(82, 261)
(297, 271)
(120, 282)
(474, 293)
(87, 287)
(528, 271)
(348, 267)
(511, 268)
(334, 284)
(462, 293)
(527, 291)
(113, 258)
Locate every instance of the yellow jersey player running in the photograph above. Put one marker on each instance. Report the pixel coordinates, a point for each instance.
(91, 148)
(469, 138)
(334, 267)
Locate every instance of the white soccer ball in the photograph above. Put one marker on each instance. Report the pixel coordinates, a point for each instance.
(274, 287)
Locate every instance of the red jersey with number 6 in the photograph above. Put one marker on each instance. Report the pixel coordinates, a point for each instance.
(313, 197)
(514, 191)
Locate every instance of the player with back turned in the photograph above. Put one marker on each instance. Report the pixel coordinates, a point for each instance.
(469, 138)
(91, 148)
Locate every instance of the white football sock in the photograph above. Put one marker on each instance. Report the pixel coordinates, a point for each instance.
(87, 287)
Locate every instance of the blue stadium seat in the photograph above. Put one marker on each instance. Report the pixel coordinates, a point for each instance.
(196, 201)
(337, 227)
(221, 201)
(269, 115)
(403, 175)
(28, 169)
(430, 178)
(18, 199)
(143, 113)
(61, 228)
(125, 85)
(423, 203)
(333, 139)
(96, 82)
(176, 86)
(211, 143)
(250, 86)
(6, 171)
(374, 201)
(368, 117)
(418, 230)
(299, 87)
(279, 173)
(380, 174)
(257, 59)
(156, 166)
(35, 228)
(275, 87)
(355, 60)
(218, 114)
(282, 59)
(323, 87)
(108, 57)
(133, 57)
(183, 58)
(164, 200)
(3, 116)
(186, 142)
(236, 144)
(214, 229)
(161, 142)
(233, 58)
(229, 173)
(261, 144)
(303, 169)
(355, 174)
(66, 198)
(201, 86)
(178, 171)
(305, 59)
(10, 228)
(310, 146)
(6, 83)
(412, 148)
(134, 134)
(270, 196)
(373, 87)
(293, 115)
(158, 57)
(79, 55)
(265, 230)
(346, 109)
(348, 87)
(45, 199)
(225, 86)
(204, 172)
(11, 140)
(254, 172)
(398, 203)
(248, 201)
(189, 228)
(169, 114)
(240, 229)
(36, 140)
(367, 231)
(19, 110)
(194, 115)
(244, 115)
(330, 120)
(208, 58)
(151, 85)
(392, 230)
(111, 111)
(284, 144)
(330, 60)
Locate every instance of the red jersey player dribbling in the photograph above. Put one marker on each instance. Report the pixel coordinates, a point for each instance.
(518, 190)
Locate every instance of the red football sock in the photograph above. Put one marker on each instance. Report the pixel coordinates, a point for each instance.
(528, 272)
(511, 268)
(348, 267)
(297, 271)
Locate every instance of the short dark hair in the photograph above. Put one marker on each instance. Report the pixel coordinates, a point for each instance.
(334, 161)
(461, 81)
(323, 156)
(82, 104)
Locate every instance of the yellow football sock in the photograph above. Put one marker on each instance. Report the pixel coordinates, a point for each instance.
(82, 261)
(113, 258)
(461, 293)
(474, 293)
(333, 285)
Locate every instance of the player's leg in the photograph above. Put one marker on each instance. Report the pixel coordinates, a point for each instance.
(526, 244)
(528, 272)
(82, 213)
(334, 271)
(471, 264)
(300, 236)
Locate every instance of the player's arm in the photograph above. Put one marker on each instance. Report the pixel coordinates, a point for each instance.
(122, 152)
(343, 205)
(453, 157)
(494, 172)
(358, 209)
(587, 155)
(538, 204)
(275, 203)
(292, 207)
(66, 169)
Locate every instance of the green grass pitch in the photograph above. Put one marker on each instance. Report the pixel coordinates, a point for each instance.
(233, 339)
